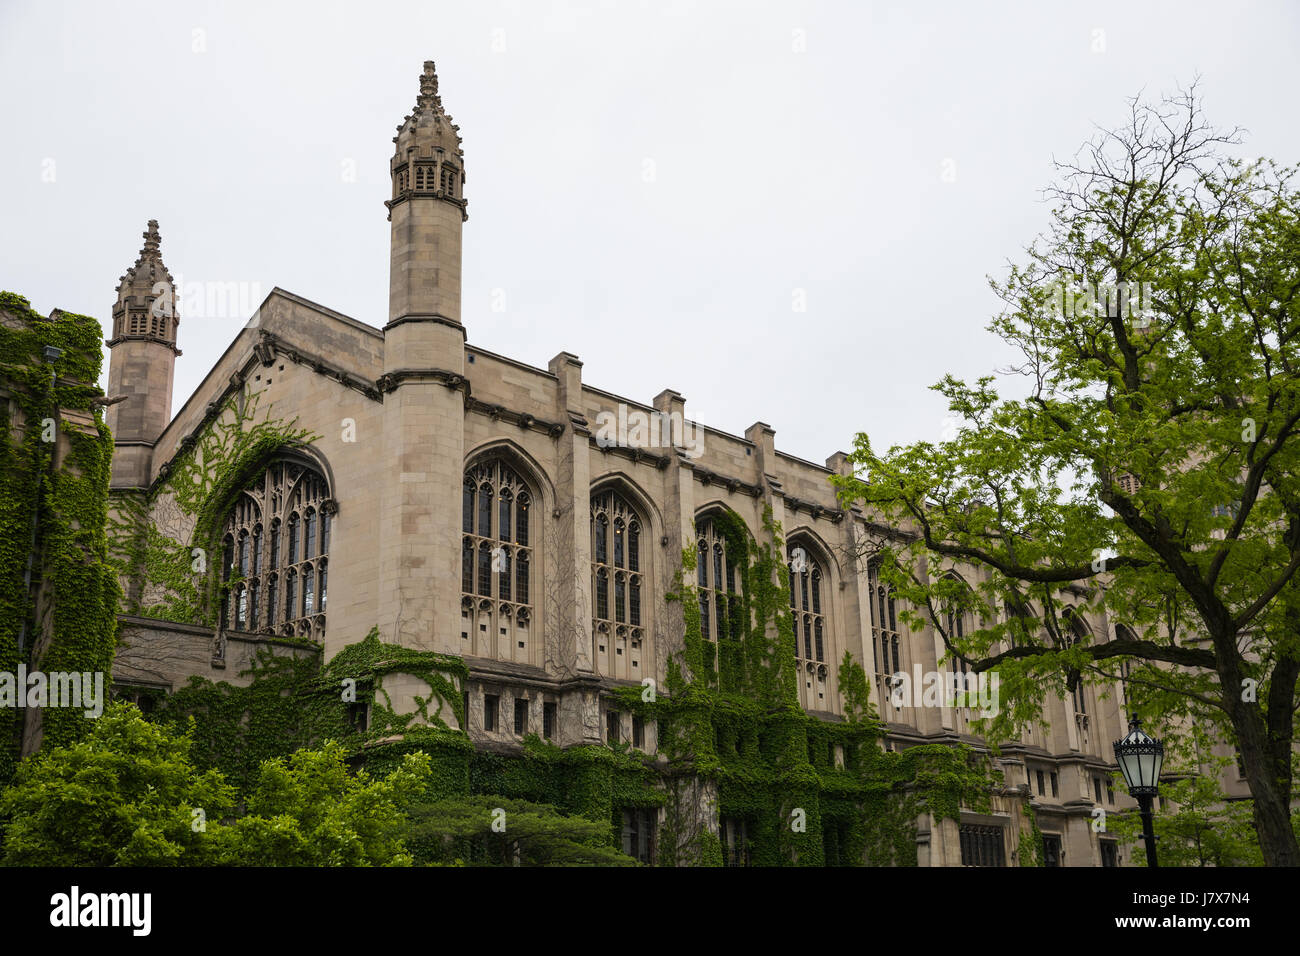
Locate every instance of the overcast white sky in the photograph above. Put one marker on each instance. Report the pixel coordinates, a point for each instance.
(794, 146)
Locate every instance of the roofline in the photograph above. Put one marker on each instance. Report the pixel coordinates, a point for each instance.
(308, 303)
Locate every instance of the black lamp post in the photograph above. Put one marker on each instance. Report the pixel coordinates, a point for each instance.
(1140, 758)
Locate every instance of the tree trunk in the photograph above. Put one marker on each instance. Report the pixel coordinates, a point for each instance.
(1271, 792)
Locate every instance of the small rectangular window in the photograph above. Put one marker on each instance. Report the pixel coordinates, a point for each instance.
(735, 841)
(1041, 791)
(982, 845)
(1096, 788)
(612, 726)
(638, 732)
(1051, 850)
(465, 701)
(639, 834)
(521, 716)
(548, 720)
(1109, 853)
(490, 711)
(1055, 791)
(359, 716)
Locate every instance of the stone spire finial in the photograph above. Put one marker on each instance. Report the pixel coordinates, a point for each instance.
(429, 115)
(152, 241)
(428, 98)
(148, 269)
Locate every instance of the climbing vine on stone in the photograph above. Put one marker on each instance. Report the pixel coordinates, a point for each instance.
(69, 611)
(166, 540)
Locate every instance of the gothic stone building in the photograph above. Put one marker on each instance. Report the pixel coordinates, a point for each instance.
(464, 503)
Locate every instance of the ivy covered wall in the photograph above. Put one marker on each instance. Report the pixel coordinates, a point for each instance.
(734, 742)
(808, 792)
(55, 459)
(165, 541)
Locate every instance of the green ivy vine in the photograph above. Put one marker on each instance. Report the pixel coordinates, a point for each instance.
(70, 611)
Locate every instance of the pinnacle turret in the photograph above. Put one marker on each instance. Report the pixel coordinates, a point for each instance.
(427, 209)
(428, 161)
(146, 297)
(148, 270)
(142, 362)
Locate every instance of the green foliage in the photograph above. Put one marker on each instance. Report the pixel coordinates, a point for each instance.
(292, 701)
(75, 626)
(234, 729)
(311, 810)
(810, 792)
(367, 661)
(171, 579)
(1030, 850)
(130, 795)
(1195, 394)
(122, 796)
(495, 830)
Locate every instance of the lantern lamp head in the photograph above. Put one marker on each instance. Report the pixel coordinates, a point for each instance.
(1140, 758)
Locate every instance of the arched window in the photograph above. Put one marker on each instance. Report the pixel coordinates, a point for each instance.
(1073, 630)
(885, 643)
(496, 563)
(617, 580)
(1022, 622)
(811, 633)
(716, 584)
(270, 587)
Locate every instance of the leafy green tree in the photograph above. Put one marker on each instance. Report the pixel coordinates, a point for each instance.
(501, 831)
(1151, 468)
(126, 795)
(129, 795)
(310, 810)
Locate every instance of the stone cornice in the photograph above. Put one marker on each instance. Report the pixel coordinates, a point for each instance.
(437, 195)
(795, 505)
(426, 317)
(391, 381)
(522, 419)
(706, 477)
(269, 345)
(631, 453)
(118, 340)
